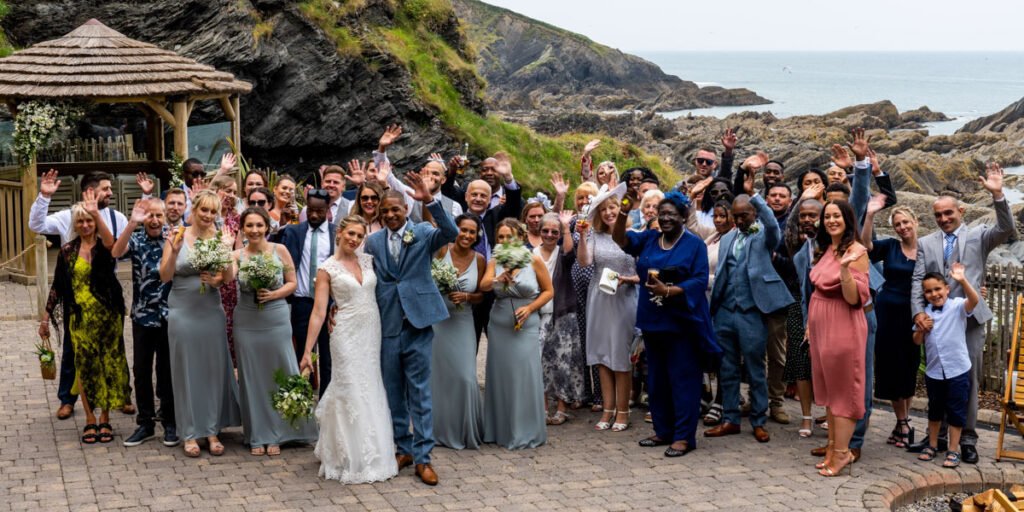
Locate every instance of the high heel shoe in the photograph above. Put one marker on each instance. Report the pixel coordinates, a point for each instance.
(619, 427)
(904, 439)
(604, 425)
(827, 471)
(828, 456)
(806, 432)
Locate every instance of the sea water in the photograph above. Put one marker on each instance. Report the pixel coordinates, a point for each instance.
(963, 85)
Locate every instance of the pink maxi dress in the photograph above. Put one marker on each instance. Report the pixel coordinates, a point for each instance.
(838, 339)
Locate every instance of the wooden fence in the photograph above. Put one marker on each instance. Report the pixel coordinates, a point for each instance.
(1003, 283)
(110, 149)
(12, 234)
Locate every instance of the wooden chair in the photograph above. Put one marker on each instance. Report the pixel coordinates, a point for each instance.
(1014, 393)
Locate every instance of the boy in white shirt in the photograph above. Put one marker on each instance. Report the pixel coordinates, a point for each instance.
(947, 375)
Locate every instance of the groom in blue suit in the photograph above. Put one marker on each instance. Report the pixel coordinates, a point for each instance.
(746, 288)
(409, 305)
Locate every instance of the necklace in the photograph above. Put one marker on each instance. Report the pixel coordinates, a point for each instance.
(661, 242)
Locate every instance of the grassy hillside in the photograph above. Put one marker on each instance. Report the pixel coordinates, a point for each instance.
(442, 77)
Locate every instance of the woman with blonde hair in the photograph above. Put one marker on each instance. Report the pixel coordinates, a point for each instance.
(581, 276)
(367, 205)
(897, 357)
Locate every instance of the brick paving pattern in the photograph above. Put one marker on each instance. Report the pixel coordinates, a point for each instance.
(43, 466)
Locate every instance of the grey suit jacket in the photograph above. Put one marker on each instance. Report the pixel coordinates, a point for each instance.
(973, 246)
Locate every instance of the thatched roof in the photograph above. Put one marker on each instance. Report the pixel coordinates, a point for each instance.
(94, 62)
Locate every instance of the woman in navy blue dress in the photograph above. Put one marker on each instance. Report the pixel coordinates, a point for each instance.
(896, 356)
(673, 314)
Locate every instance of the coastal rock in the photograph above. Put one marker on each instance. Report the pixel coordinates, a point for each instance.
(532, 65)
(882, 114)
(1008, 118)
(922, 115)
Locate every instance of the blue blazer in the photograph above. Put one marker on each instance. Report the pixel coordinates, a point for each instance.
(293, 238)
(406, 290)
(802, 262)
(770, 292)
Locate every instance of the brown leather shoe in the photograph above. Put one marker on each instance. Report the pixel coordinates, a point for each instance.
(761, 435)
(856, 454)
(725, 429)
(820, 451)
(65, 411)
(404, 460)
(426, 474)
(128, 409)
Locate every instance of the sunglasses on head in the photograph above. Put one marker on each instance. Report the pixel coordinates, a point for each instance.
(705, 161)
(318, 193)
(369, 198)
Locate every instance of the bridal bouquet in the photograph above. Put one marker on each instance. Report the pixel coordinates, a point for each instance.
(210, 255)
(447, 278)
(512, 256)
(294, 398)
(259, 272)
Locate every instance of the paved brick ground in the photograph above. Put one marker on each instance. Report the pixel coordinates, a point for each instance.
(43, 466)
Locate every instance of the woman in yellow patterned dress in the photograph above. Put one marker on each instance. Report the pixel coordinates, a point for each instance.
(86, 287)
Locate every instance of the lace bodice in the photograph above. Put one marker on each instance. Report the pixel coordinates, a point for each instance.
(347, 292)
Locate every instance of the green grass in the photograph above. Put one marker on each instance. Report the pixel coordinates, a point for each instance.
(5, 46)
(329, 15)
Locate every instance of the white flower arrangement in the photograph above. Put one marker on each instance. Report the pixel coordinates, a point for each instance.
(36, 124)
(210, 255)
(293, 399)
(259, 272)
(446, 276)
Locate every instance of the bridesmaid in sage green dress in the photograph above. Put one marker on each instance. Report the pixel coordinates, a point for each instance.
(514, 415)
(458, 406)
(263, 342)
(205, 391)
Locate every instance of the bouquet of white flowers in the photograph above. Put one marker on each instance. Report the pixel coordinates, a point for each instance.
(512, 256)
(446, 276)
(294, 399)
(210, 255)
(259, 272)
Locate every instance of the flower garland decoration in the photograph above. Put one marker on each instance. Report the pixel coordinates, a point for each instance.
(38, 122)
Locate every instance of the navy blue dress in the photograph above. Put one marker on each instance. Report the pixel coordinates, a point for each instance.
(896, 356)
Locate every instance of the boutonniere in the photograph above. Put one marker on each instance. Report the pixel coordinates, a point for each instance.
(408, 237)
(753, 229)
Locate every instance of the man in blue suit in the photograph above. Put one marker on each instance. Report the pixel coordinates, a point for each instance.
(309, 243)
(746, 288)
(409, 305)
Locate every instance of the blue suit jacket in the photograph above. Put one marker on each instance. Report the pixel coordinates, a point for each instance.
(770, 292)
(406, 290)
(293, 238)
(802, 261)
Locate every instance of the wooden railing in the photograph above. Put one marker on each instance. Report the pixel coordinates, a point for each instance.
(12, 228)
(1003, 283)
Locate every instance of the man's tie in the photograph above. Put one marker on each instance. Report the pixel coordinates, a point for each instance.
(313, 259)
(330, 213)
(947, 251)
(738, 245)
(396, 245)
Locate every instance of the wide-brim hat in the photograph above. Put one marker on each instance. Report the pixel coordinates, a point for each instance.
(602, 195)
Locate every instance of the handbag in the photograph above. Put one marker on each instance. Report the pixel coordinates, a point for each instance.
(47, 359)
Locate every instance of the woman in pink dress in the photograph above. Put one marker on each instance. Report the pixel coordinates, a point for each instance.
(837, 330)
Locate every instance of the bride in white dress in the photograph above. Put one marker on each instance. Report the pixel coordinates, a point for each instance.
(356, 442)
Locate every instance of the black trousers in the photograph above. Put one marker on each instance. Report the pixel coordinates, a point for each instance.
(149, 343)
(302, 308)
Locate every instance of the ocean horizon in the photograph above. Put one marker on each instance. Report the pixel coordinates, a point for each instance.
(962, 85)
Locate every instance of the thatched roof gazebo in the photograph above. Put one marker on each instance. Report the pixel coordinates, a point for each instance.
(97, 64)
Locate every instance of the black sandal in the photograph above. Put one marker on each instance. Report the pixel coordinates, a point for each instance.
(90, 437)
(106, 437)
(927, 454)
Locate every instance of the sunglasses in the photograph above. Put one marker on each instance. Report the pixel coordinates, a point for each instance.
(258, 202)
(705, 161)
(318, 193)
(369, 198)
(550, 232)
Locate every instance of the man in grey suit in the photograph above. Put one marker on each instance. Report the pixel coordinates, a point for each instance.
(954, 242)
(746, 288)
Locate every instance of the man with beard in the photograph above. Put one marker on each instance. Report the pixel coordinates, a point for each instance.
(174, 206)
(59, 223)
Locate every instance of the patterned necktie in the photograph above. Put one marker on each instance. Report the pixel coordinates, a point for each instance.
(947, 251)
(396, 246)
(330, 213)
(313, 242)
(738, 245)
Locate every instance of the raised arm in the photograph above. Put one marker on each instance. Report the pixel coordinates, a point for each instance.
(957, 273)
(867, 230)
(103, 234)
(170, 256)
(38, 220)
(583, 256)
(729, 140)
(996, 235)
(587, 161)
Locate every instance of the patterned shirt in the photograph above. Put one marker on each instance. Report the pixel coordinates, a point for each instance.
(149, 294)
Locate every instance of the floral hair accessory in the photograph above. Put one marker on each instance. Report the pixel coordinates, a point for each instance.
(543, 199)
(679, 199)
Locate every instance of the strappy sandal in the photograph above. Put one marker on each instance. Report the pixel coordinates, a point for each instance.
(807, 432)
(216, 447)
(274, 450)
(105, 437)
(952, 460)
(558, 418)
(257, 451)
(604, 425)
(596, 408)
(620, 427)
(191, 448)
(905, 439)
(827, 471)
(714, 415)
(90, 437)
(927, 454)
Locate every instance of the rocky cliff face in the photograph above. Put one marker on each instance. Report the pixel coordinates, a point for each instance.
(531, 65)
(1010, 119)
(311, 102)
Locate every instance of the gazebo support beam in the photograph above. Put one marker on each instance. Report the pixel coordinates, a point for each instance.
(162, 112)
(181, 128)
(229, 111)
(236, 125)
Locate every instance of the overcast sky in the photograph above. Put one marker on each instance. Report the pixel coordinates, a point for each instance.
(797, 25)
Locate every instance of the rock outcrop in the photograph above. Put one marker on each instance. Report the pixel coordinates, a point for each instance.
(1007, 120)
(531, 65)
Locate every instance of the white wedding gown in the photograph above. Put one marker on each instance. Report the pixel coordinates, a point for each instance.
(356, 443)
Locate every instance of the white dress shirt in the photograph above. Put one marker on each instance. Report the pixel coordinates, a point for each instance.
(339, 209)
(323, 251)
(60, 223)
(945, 347)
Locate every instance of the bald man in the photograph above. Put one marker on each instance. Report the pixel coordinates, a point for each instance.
(496, 173)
